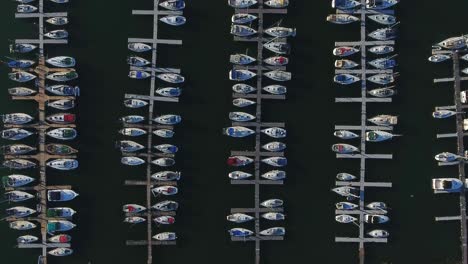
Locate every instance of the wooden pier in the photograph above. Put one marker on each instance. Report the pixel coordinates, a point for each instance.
(459, 135)
(151, 98)
(257, 154)
(363, 72)
(41, 71)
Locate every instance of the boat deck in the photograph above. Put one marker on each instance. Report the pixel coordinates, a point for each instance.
(460, 134)
(257, 154)
(150, 126)
(41, 71)
(363, 72)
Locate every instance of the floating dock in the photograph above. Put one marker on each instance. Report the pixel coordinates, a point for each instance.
(363, 72)
(459, 135)
(257, 125)
(41, 71)
(150, 126)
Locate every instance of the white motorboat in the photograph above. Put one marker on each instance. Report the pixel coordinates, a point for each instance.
(277, 47)
(342, 19)
(22, 225)
(281, 32)
(377, 206)
(239, 218)
(238, 131)
(63, 104)
(164, 220)
(242, 31)
(62, 212)
(384, 19)
(240, 18)
(346, 79)
(137, 61)
(61, 195)
(382, 92)
(344, 149)
(63, 76)
(464, 57)
(173, 5)
(379, 233)
(274, 146)
(62, 61)
(384, 34)
(166, 236)
(378, 136)
(274, 175)
(345, 4)
(16, 180)
(63, 90)
(169, 91)
(240, 232)
(60, 239)
(454, 43)
(19, 164)
(239, 175)
(19, 211)
(345, 177)
(241, 59)
(164, 190)
(243, 88)
(380, 4)
(274, 231)
(135, 103)
(465, 71)
(272, 203)
(273, 216)
(15, 133)
(16, 118)
(344, 51)
(139, 75)
(59, 226)
(382, 79)
(448, 157)
(381, 50)
(376, 219)
(241, 3)
(21, 76)
(346, 191)
(276, 161)
(241, 116)
(277, 3)
(238, 161)
(173, 20)
(21, 91)
(164, 162)
(27, 239)
(168, 119)
(26, 9)
(63, 164)
(279, 76)
(171, 77)
(345, 64)
(276, 89)
(61, 252)
(166, 176)
(242, 102)
(447, 184)
(132, 119)
(132, 131)
(139, 47)
(133, 208)
(164, 133)
(439, 58)
(167, 148)
(441, 114)
(241, 75)
(345, 134)
(346, 206)
(61, 118)
(57, 34)
(166, 206)
(345, 219)
(383, 63)
(275, 132)
(58, 21)
(17, 196)
(132, 161)
(277, 61)
(384, 120)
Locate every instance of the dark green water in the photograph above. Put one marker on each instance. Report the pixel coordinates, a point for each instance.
(99, 31)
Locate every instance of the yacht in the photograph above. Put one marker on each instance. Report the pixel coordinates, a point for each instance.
(17, 196)
(132, 131)
(448, 157)
(240, 18)
(166, 176)
(346, 206)
(16, 149)
(381, 50)
(62, 133)
(164, 133)
(239, 175)
(273, 216)
(241, 75)
(344, 51)
(346, 79)
(239, 218)
(57, 34)
(62, 62)
(238, 131)
(281, 32)
(57, 21)
(380, 4)
(242, 31)
(376, 219)
(345, 177)
(382, 92)
(345, 4)
(274, 231)
(167, 148)
(21, 76)
(447, 184)
(60, 239)
(164, 220)
(277, 3)
(132, 161)
(62, 76)
(276, 61)
(16, 180)
(173, 5)
(346, 191)
(243, 88)
(168, 119)
(59, 226)
(61, 212)
(345, 134)
(171, 77)
(240, 232)
(139, 75)
(16, 118)
(139, 47)
(272, 203)
(279, 76)
(63, 90)
(164, 190)
(241, 59)
(27, 239)
(26, 9)
(275, 89)
(19, 164)
(63, 164)
(345, 64)
(166, 206)
(15, 133)
(241, 116)
(242, 3)
(19, 211)
(383, 63)
(173, 20)
(62, 118)
(378, 136)
(454, 43)
(61, 195)
(169, 91)
(274, 146)
(384, 34)
(22, 64)
(21, 91)
(242, 102)
(345, 219)
(137, 61)
(22, 48)
(384, 120)
(439, 58)
(61, 252)
(132, 119)
(274, 132)
(379, 233)
(238, 161)
(164, 162)
(133, 208)
(277, 47)
(276, 161)
(166, 236)
(274, 175)
(63, 104)
(135, 103)
(342, 19)
(382, 79)
(377, 206)
(22, 225)
(384, 19)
